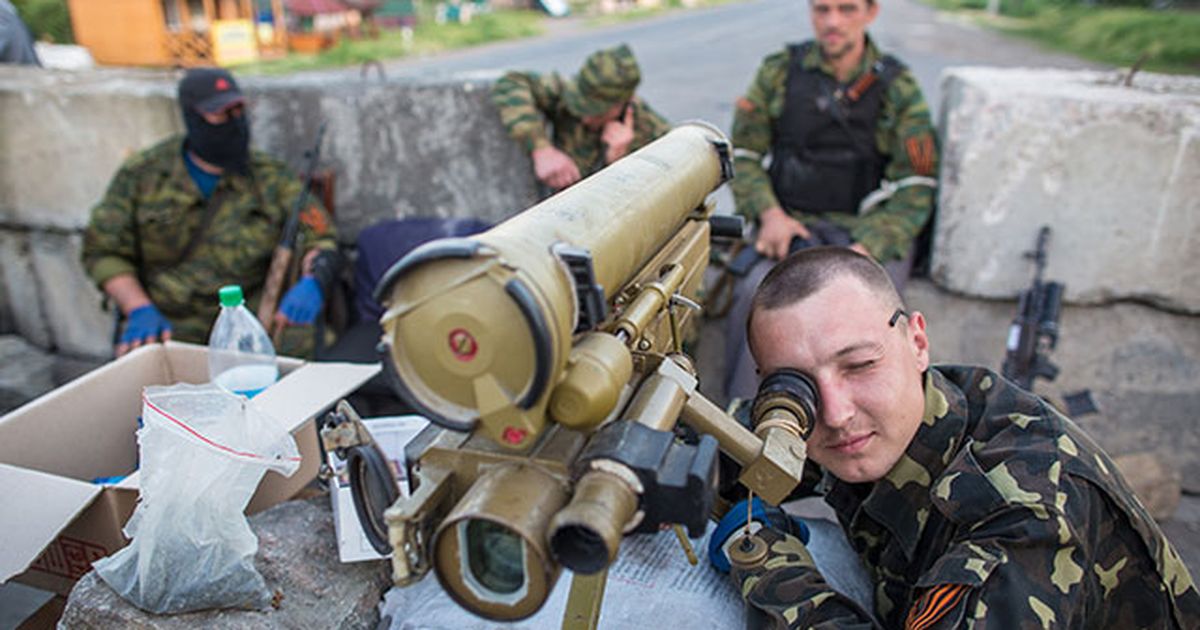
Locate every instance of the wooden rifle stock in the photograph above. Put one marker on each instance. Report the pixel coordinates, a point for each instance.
(285, 251)
(281, 259)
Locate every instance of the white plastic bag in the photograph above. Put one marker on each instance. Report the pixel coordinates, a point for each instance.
(203, 452)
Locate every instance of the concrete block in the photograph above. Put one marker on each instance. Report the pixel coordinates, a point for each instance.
(399, 149)
(70, 301)
(1141, 364)
(66, 133)
(26, 372)
(297, 555)
(1114, 170)
(6, 317)
(22, 290)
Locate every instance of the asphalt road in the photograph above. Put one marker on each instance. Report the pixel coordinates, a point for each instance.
(696, 63)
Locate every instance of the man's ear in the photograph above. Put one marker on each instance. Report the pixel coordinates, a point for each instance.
(918, 340)
(872, 10)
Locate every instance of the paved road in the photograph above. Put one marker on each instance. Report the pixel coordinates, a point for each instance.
(696, 63)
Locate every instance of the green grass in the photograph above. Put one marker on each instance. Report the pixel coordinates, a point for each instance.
(47, 19)
(1120, 36)
(428, 37)
(1117, 35)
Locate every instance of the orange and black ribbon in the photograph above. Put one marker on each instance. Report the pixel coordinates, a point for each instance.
(934, 605)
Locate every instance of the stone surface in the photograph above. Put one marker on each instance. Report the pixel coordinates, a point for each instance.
(78, 325)
(6, 317)
(1141, 365)
(298, 557)
(1155, 482)
(22, 290)
(26, 372)
(65, 134)
(1114, 170)
(399, 149)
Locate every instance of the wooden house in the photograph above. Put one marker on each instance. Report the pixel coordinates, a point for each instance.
(178, 32)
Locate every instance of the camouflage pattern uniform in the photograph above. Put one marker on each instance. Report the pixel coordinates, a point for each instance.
(529, 101)
(1002, 513)
(904, 133)
(153, 203)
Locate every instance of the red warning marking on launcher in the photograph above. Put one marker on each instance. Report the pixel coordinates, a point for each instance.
(68, 557)
(463, 344)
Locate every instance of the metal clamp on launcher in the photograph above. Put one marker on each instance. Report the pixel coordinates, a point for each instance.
(372, 481)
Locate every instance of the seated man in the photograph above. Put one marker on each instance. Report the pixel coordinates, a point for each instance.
(194, 213)
(595, 116)
(838, 119)
(971, 502)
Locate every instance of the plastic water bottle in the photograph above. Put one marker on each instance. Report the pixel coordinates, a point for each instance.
(240, 355)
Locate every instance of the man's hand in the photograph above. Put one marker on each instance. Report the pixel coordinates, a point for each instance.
(146, 325)
(554, 168)
(617, 136)
(302, 303)
(775, 232)
(733, 526)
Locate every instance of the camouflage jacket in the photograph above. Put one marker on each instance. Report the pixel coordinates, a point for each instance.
(904, 134)
(528, 102)
(1002, 513)
(152, 204)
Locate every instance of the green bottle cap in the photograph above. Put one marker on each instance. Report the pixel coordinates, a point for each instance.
(231, 295)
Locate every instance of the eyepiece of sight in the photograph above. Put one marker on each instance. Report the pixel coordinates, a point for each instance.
(792, 391)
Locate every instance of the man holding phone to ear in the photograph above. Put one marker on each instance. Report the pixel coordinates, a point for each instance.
(573, 127)
(971, 502)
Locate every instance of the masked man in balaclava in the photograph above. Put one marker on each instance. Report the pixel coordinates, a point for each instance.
(196, 212)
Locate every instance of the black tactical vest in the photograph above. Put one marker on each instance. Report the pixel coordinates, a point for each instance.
(824, 158)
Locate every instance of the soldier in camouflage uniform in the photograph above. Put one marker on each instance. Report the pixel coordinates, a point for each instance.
(839, 121)
(971, 503)
(196, 212)
(595, 117)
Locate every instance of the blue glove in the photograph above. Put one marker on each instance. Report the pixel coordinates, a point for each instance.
(303, 301)
(145, 324)
(733, 525)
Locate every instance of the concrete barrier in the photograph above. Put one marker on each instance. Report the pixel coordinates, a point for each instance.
(1114, 170)
(399, 149)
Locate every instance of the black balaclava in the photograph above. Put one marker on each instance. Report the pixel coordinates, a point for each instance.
(226, 145)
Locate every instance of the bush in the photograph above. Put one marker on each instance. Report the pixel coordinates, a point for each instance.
(47, 19)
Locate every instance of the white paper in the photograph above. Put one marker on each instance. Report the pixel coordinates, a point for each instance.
(651, 585)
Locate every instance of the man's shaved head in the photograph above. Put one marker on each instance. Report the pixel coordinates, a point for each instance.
(809, 270)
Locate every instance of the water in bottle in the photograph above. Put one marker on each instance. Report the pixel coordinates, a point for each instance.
(240, 355)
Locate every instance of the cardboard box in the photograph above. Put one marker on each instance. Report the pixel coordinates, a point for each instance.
(391, 433)
(56, 522)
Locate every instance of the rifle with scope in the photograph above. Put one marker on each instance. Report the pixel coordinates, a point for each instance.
(548, 354)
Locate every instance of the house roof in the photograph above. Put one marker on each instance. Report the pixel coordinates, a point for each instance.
(313, 7)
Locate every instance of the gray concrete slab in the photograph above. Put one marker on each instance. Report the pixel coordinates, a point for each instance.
(1113, 170)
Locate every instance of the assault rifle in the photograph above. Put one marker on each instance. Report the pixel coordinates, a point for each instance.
(1034, 331)
(285, 252)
